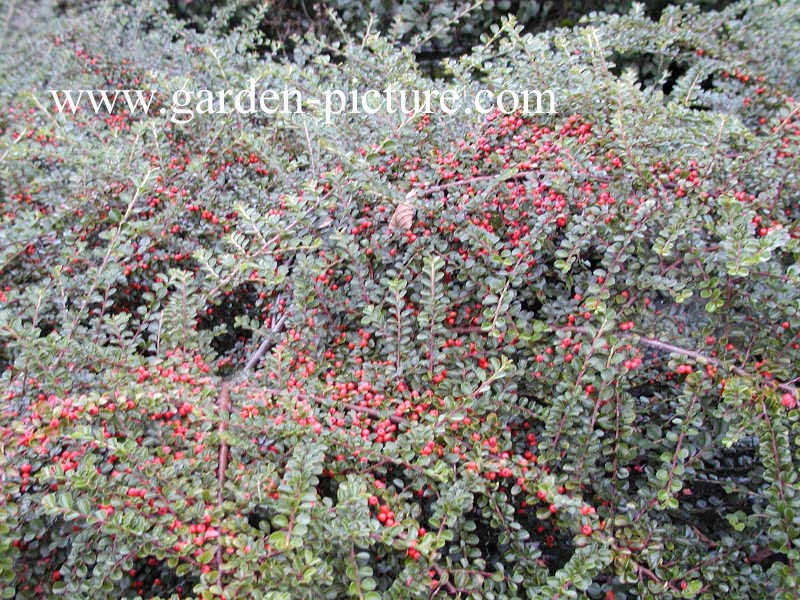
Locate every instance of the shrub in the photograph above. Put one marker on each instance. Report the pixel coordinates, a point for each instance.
(572, 375)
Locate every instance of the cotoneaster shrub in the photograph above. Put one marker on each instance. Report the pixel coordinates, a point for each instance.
(574, 375)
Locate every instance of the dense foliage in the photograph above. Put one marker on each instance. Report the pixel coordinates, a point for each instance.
(573, 375)
(432, 19)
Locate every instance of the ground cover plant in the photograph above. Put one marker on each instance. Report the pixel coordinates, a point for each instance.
(401, 356)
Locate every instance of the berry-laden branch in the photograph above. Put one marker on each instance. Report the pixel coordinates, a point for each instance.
(698, 356)
(702, 358)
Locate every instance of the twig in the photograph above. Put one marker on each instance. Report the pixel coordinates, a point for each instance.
(374, 413)
(263, 347)
(224, 413)
(224, 410)
(644, 571)
(9, 15)
(451, 589)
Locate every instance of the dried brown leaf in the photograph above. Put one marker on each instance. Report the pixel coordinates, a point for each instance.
(403, 216)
